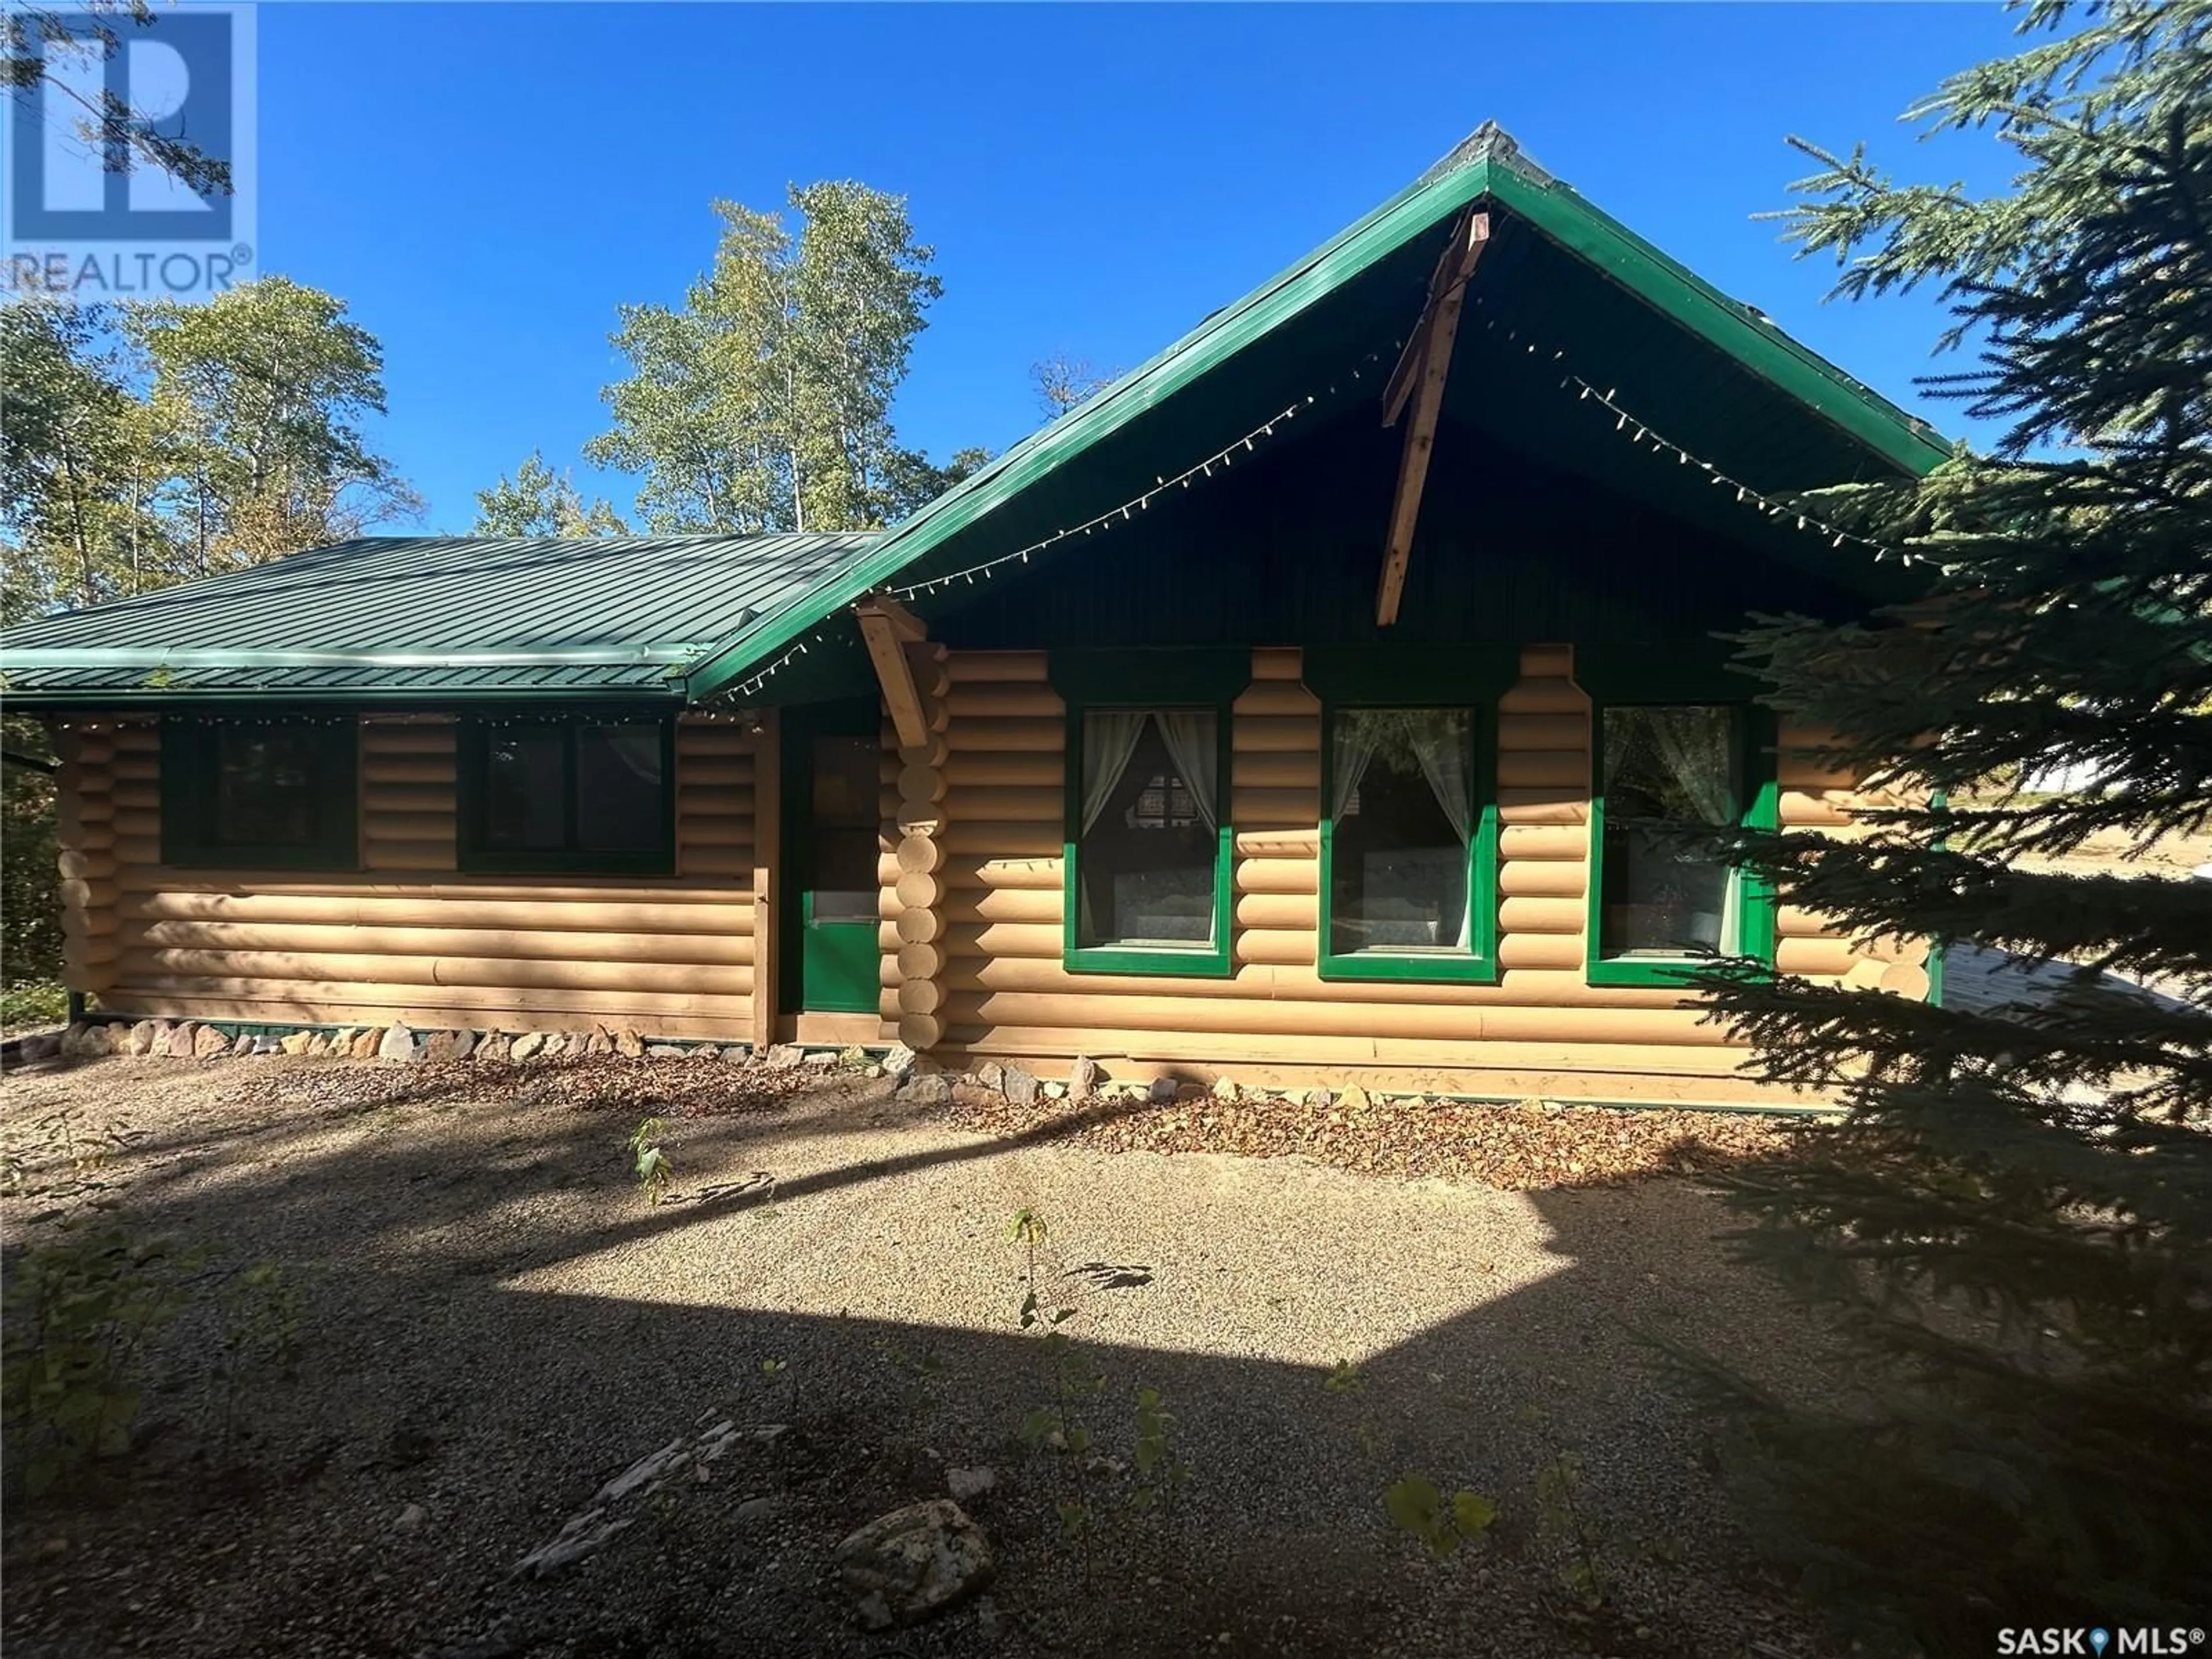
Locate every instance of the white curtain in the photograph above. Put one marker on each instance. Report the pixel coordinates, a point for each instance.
(1110, 737)
(1191, 736)
(1440, 744)
(1693, 746)
(1353, 748)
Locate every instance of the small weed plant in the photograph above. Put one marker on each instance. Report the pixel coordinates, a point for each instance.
(1417, 1506)
(1160, 1474)
(262, 1311)
(1564, 1518)
(79, 1307)
(1056, 1426)
(654, 1171)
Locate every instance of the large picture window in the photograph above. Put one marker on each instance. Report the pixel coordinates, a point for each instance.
(1664, 899)
(1408, 847)
(582, 794)
(259, 795)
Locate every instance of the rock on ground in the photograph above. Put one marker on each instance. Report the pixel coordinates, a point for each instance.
(913, 1562)
(964, 1484)
(928, 1090)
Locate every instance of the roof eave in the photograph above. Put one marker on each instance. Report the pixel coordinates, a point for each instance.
(420, 697)
(1555, 210)
(1220, 336)
(1566, 217)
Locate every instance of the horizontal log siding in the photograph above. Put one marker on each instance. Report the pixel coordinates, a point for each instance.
(1813, 795)
(408, 936)
(87, 830)
(1006, 994)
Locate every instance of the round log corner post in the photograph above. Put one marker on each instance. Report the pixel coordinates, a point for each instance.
(916, 676)
(94, 755)
(918, 888)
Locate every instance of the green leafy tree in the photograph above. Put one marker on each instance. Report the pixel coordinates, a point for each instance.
(64, 432)
(30, 912)
(539, 502)
(260, 395)
(2013, 1227)
(763, 403)
(911, 480)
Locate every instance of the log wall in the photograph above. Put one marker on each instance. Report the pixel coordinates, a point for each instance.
(970, 911)
(408, 936)
(1003, 993)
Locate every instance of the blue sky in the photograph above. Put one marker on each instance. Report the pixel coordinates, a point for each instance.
(485, 183)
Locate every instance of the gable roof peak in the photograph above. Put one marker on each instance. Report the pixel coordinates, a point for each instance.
(1487, 142)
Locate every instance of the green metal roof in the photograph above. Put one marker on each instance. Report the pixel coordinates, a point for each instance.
(436, 617)
(440, 619)
(1249, 359)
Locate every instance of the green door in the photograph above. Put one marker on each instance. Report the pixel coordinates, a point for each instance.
(831, 838)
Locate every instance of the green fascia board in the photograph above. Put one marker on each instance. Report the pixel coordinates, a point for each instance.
(1556, 210)
(394, 698)
(1569, 219)
(1212, 342)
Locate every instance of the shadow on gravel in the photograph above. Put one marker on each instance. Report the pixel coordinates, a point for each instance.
(449, 1415)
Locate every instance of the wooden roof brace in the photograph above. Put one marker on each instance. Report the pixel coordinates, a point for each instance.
(889, 628)
(1419, 377)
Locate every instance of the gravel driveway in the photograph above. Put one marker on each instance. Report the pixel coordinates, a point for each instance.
(496, 1321)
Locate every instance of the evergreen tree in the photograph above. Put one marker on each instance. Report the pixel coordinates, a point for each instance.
(2012, 1226)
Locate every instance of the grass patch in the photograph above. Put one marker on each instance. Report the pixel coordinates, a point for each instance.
(33, 1002)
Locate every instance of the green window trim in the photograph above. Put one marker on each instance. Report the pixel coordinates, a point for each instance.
(191, 759)
(475, 857)
(1146, 679)
(1479, 965)
(1756, 787)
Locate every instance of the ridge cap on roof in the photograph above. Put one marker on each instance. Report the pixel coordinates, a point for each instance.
(1489, 164)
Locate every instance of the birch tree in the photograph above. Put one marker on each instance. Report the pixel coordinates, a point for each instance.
(263, 390)
(763, 402)
(539, 502)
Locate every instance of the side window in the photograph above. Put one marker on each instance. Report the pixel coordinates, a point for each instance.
(1408, 846)
(585, 795)
(259, 795)
(1148, 841)
(1661, 899)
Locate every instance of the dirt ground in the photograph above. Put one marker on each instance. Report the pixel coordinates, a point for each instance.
(493, 1319)
(2112, 853)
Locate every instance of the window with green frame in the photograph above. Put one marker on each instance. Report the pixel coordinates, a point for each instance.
(247, 794)
(1148, 843)
(1409, 844)
(590, 793)
(1663, 902)
(1409, 819)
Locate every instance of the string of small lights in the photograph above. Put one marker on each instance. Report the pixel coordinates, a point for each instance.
(1221, 460)
(1640, 433)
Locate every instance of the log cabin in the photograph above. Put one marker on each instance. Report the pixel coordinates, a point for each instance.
(1315, 704)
